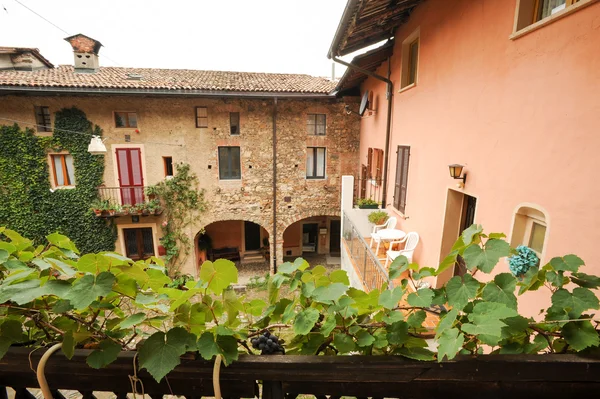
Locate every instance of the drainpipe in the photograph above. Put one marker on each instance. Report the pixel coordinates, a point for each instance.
(274, 239)
(390, 90)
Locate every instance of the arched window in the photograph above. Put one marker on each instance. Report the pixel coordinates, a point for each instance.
(529, 228)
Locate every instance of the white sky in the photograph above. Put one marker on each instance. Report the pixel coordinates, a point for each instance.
(288, 36)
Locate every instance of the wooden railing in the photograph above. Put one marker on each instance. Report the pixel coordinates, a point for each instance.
(371, 271)
(487, 376)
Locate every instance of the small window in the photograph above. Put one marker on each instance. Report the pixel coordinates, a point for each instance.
(168, 162)
(201, 117)
(315, 163)
(234, 123)
(316, 124)
(529, 229)
(410, 60)
(229, 163)
(532, 11)
(139, 243)
(401, 182)
(42, 119)
(63, 171)
(125, 119)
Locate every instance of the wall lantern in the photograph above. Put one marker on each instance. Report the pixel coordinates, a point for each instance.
(96, 146)
(455, 172)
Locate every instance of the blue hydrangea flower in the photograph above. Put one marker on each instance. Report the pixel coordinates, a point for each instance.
(525, 259)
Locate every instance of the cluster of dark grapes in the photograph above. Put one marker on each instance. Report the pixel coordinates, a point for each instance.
(268, 344)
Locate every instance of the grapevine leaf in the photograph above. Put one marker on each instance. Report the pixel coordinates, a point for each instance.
(329, 293)
(343, 342)
(255, 307)
(92, 263)
(585, 280)
(219, 274)
(486, 319)
(393, 317)
(539, 344)
(328, 325)
(363, 338)
(397, 333)
(574, 303)
(389, 298)
(207, 346)
(339, 276)
(8, 247)
(18, 292)
(421, 298)
(450, 343)
(487, 257)
(41, 263)
(501, 290)
(398, 266)
(88, 288)
(68, 344)
(305, 321)
(416, 319)
(446, 322)
(365, 303)
(157, 279)
(448, 262)
(460, 290)
(567, 263)
(132, 320)
(10, 332)
(580, 335)
(160, 353)
(228, 348)
(471, 231)
(105, 355)
(533, 280)
(416, 353)
(61, 241)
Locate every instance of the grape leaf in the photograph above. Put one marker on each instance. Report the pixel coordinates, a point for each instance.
(219, 274)
(160, 353)
(88, 288)
(415, 353)
(574, 303)
(92, 263)
(156, 280)
(471, 231)
(105, 355)
(450, 343)
(567, 263)
(328, 325)
(389, 298)
(329, 293)
(398, 266)
(339, 276)
(416, 319)
(487, 257)
(460, 290)
(343, 342)
(68, 344)
(501, 290)
(305, 321)
(580, 335)
(397, 333)
(132, 320)
(421, 298)
(10, 331)
(486, 319)
(585, 280)
(446, 322)
(207, 346)
(363, 338)
(61, 241)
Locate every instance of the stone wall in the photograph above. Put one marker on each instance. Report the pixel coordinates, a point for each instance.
(167, 127)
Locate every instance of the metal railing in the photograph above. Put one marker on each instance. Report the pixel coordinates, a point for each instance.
(126, 195)
(365, 188)
(371, 271)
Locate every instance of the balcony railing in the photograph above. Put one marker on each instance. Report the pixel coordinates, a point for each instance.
(371, 271)
(126, 195)
(365, 188)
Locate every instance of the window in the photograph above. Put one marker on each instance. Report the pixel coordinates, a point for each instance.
(401, 183)
(315, 163)
(201, 117)
(168, 162)
(62, 170)
(139, 243)
(410, 60)
(531, 11)
(375, 165)
(42, 119)
(529, 229)
(125, 119)
(229, 163)
(234, 123)
(315, 124)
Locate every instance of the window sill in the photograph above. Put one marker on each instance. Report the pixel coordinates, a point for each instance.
(406, 88)
(63, 188)
(548, 20)
(316, 178)
(400, 214)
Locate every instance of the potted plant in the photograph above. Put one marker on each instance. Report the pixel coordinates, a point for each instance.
(151, 192)
(126, 209)
(98, 206)
(139, 208)
(378, 217)
(367, 203)
(112, 209)
(145, 208)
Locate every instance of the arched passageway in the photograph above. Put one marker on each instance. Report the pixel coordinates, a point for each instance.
(312, 237)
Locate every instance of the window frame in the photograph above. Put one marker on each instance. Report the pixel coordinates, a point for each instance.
(199, 125)
(229, 162)
(42, 118)
(231, 125)
(127, 124)
(527, 14)
(407, 61)
(316, 124)
(65, 172)
(315, 176)
(525, 216)
(139, 242)
(168, 164)
(400, 189)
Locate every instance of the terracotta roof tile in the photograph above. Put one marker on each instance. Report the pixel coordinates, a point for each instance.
(168, 79)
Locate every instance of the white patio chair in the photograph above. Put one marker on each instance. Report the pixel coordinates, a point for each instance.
(411, 240)
(389, 224)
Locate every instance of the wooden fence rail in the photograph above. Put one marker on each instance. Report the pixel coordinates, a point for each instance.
(491, 376)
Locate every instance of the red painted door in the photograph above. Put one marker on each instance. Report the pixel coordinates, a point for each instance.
(131, 180)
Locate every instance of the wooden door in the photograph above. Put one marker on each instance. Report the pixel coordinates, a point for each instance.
(251, 236)
(131, 179)
(139, 243)
(334, 237)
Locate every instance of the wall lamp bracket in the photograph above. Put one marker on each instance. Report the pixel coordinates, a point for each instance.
(456, 172)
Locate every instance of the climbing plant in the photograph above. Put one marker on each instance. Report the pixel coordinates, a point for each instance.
(183, 204)
(108, 302)
(30, 206)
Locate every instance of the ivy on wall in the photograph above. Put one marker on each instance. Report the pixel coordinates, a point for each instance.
(27, 203)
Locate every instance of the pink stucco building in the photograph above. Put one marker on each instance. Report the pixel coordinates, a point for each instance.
(508, 88)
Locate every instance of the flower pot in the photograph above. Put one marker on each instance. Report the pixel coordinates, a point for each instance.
(98, 212)
(111, 213)
(372, 206)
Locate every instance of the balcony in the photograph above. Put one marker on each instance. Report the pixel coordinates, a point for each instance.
(125, 201)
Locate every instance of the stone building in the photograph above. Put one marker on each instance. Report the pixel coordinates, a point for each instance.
(223, 124)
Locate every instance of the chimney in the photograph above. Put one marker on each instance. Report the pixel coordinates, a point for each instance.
(86, 52)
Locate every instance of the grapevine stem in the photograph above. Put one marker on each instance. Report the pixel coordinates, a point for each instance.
(254, 334)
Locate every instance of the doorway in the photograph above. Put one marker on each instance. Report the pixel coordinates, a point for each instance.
(310, 235)
(334, 237)
(251, 236)
(460, 214)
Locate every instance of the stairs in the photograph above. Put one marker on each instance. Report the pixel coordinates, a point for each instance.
(252, 257)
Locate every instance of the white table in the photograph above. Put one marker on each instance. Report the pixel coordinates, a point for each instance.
(389, 235)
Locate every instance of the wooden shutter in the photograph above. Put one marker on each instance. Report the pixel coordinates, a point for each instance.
(369, 163)
(378, 165)
(401, 182)
(363, 182)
